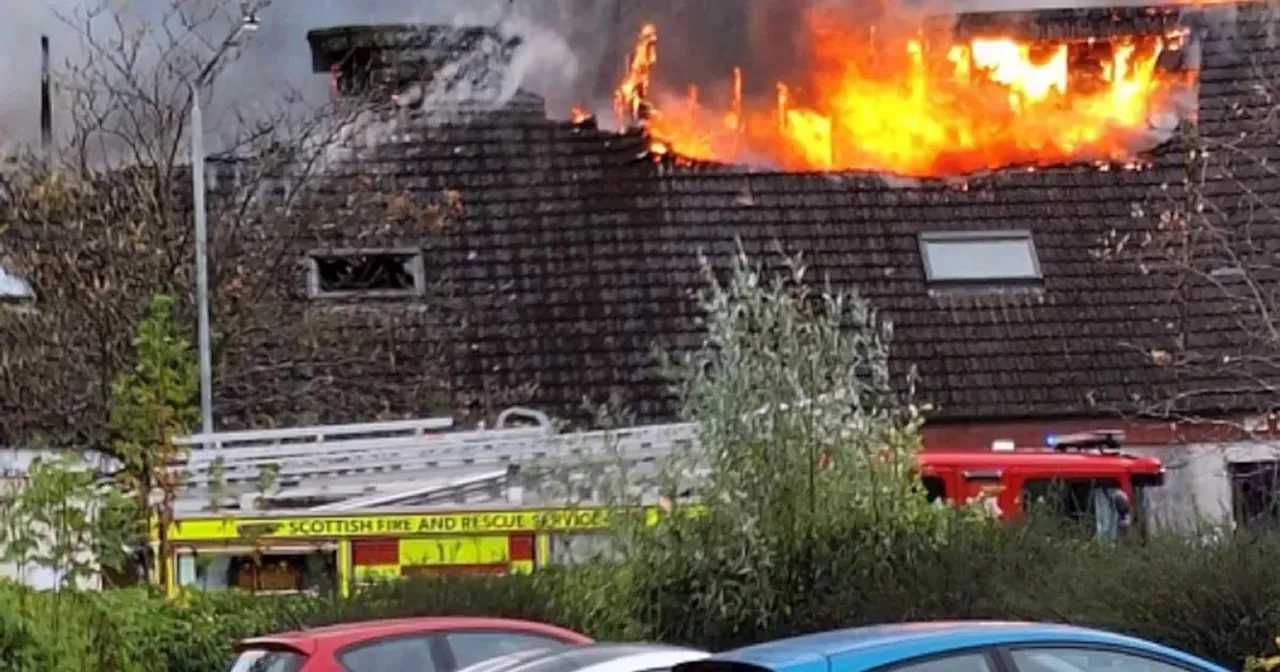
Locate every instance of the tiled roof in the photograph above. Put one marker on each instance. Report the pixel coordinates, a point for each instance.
(594, 258)
(577, 254)
(593, 254)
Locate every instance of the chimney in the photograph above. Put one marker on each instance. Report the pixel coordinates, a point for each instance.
(381, 61)
(46, 104)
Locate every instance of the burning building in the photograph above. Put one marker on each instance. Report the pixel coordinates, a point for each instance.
(974, 179)
(968, 176)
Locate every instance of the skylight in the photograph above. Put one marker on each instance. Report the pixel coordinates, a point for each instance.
(14, 288)
(979, 257)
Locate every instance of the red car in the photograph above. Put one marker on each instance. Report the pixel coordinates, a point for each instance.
(404, 645)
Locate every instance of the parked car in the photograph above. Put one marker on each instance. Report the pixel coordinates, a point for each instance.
(593, 658)
(976, 646)
(404, 645)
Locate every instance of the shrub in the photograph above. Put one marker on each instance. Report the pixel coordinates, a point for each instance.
(1221, 602)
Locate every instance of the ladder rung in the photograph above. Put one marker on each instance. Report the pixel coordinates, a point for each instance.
(320, 434)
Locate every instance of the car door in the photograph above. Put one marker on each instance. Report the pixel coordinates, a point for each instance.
(468, 647)
(1067, 658)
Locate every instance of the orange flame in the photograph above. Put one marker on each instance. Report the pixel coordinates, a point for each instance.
(580, 115)
(632, 95)
(896, 102)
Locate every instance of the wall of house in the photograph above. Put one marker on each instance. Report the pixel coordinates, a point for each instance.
(1196, 496)
(14, 464)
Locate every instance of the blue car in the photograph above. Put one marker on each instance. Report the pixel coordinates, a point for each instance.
(968, 646)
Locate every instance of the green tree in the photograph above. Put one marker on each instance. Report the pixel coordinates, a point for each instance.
(799, 420)
(806, 449)
(150, 405)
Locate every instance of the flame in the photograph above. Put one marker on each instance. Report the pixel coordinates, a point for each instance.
(580, 115)
(895, 101)
(632, 95)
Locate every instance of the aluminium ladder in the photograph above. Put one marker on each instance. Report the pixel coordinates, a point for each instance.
(397, 461)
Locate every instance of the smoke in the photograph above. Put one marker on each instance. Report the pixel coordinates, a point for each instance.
(572, 51)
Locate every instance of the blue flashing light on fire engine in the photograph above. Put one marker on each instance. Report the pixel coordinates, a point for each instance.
(1104, 440)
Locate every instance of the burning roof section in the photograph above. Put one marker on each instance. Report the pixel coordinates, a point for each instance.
(936, 97)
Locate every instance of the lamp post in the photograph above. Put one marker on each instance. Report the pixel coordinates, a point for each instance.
(249, 24)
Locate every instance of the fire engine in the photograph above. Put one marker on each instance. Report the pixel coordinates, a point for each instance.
(1078, 475)
(356, 503)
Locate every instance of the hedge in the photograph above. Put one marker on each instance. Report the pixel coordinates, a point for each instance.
(1221, 601)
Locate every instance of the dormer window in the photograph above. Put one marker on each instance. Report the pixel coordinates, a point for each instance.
(362, 274)
(979, 258)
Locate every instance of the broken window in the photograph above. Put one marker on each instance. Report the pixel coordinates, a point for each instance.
(1254, 495)
(979, 257)
(366, 273)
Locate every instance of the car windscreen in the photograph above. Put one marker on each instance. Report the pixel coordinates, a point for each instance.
(268, 660)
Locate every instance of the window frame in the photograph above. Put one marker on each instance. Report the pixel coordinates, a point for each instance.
(446, 648)
(927, 238)
(435, 644)
(940, 480)
(1243, 475)
(995, 662)
(1005, 654)
(416, 268)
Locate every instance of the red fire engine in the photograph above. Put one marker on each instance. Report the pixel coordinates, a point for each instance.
(1081, 476)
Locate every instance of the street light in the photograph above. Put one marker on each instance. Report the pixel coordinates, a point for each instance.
(249, 24)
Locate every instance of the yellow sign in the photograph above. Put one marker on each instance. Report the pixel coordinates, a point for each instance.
(303, 527)
(454, 551)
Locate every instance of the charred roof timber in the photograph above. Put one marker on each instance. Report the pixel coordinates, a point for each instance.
(1074, 24)
(382, 60)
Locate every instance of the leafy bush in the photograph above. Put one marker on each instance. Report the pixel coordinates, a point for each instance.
(1221, 602)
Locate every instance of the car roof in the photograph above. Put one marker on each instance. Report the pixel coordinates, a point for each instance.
(306, 641)
(657, 659)
(581, 658)
(876, 646)
(1041, 459)
(504, 661)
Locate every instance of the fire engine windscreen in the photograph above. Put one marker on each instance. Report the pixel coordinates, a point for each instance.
(1112, 512)
(1099, 506)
